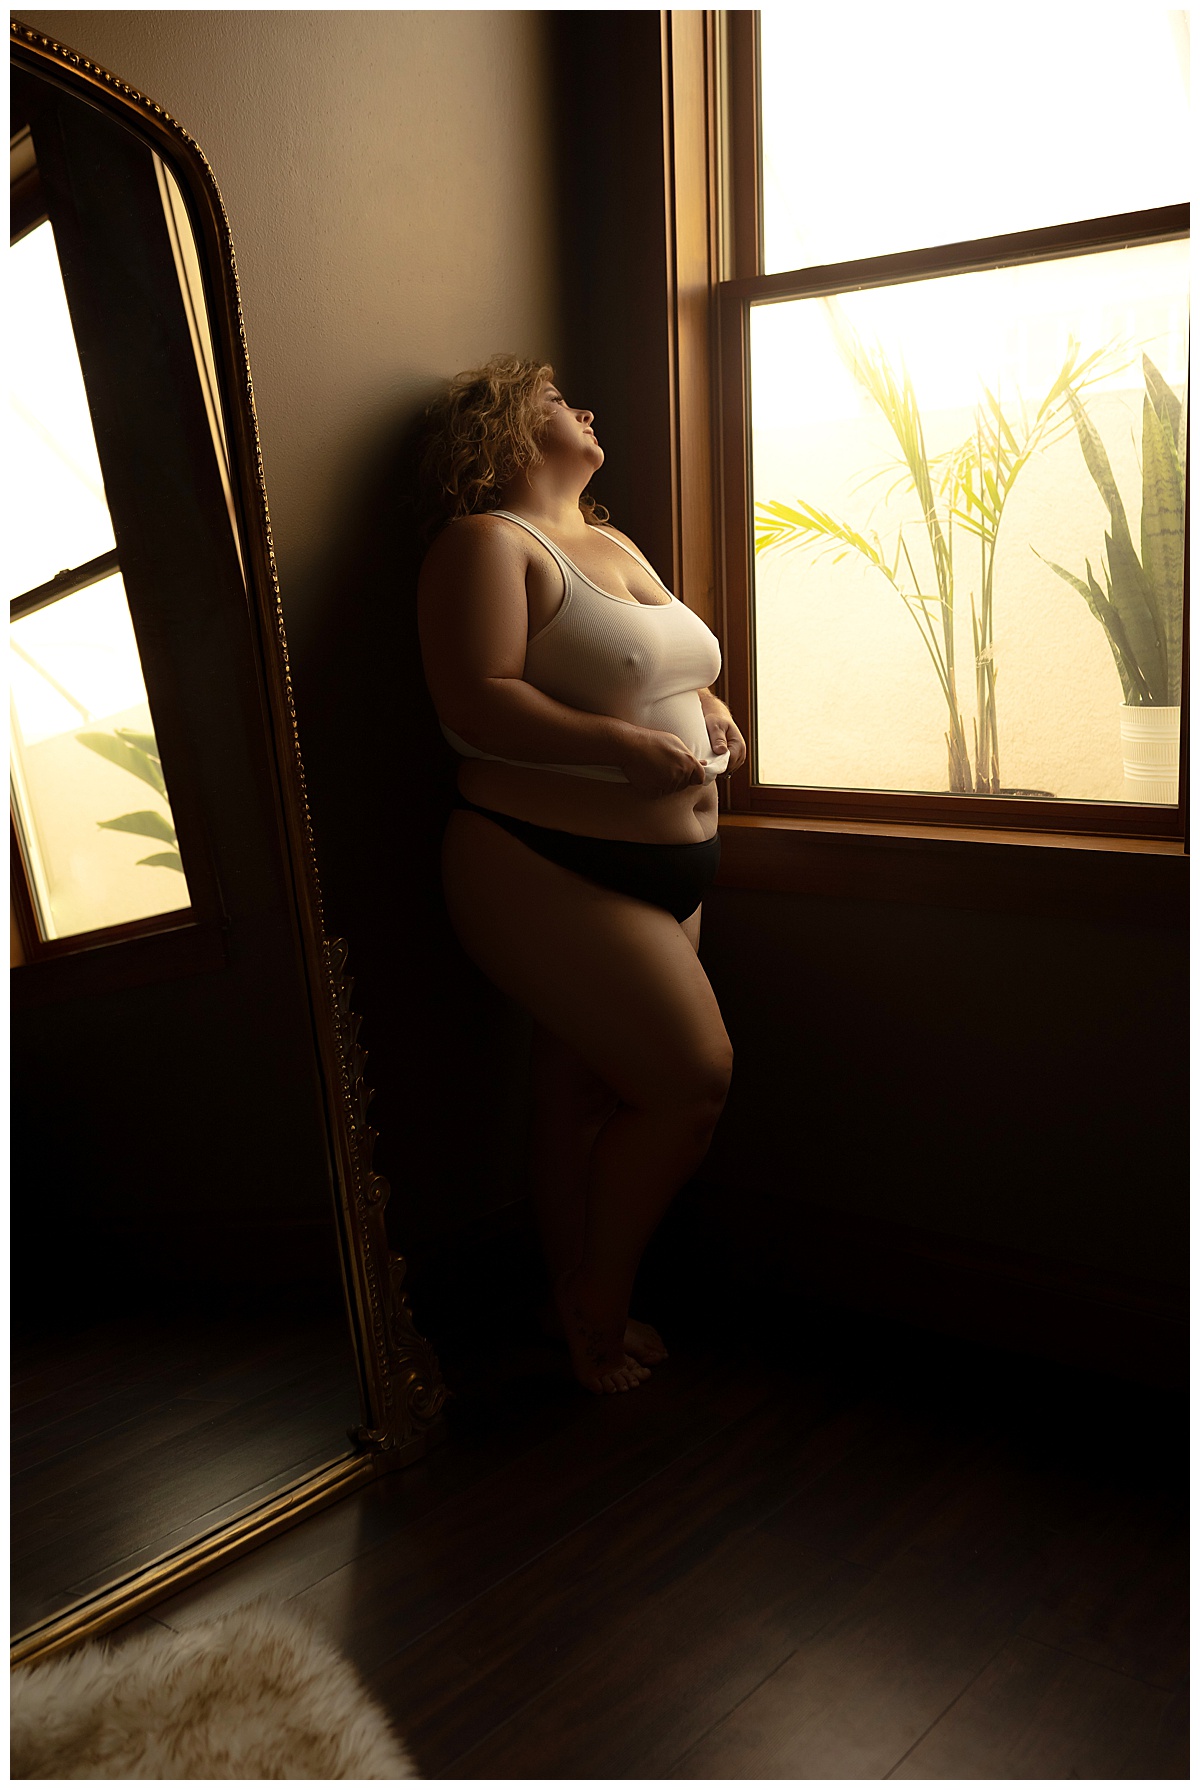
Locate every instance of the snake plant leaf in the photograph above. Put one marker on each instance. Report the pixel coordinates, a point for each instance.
(127, 756)
(145, 822)
(1133, 598)
(164, 860)
(1133, 685)
(1096, 461)
(1166, 404)
(1131, 592)
(1162, 538)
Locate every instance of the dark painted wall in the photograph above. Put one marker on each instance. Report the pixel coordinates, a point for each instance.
(1013, 1080)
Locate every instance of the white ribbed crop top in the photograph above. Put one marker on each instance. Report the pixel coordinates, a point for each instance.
(640, 662)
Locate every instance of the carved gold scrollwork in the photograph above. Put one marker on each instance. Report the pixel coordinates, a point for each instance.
(410, 1379)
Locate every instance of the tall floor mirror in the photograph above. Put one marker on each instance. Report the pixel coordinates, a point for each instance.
(211, 1333)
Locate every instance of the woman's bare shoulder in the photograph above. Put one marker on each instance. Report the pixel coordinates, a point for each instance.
(472, 541)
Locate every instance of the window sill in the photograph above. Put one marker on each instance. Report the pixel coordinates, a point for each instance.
(100, 969)
(1076, 875)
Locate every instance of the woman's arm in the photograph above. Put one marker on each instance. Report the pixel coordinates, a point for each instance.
(723, 732)
(473, 618)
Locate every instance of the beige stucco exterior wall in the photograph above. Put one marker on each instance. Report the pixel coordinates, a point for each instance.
(387, 177)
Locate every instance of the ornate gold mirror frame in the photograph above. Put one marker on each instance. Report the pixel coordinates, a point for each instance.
(401, 1387)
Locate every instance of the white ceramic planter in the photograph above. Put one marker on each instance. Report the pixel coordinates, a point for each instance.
(1150, 748)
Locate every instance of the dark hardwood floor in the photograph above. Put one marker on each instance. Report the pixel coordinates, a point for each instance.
(134, 1434)
(865, 1553)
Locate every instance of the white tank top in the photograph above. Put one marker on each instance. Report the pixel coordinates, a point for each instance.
(639, 662)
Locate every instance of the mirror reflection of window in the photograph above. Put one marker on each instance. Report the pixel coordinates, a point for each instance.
(90, 802)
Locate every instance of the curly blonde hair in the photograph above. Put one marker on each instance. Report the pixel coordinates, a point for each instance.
(479, 434)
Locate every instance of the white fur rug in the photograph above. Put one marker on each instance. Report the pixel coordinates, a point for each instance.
(257, 1694)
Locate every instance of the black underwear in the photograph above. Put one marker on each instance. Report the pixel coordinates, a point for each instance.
(674, 877)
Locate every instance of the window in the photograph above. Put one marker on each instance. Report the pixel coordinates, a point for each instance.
(953, 335)
(95, 836)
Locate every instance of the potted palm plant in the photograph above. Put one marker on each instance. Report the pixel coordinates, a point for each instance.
(968, 486)
(1141, 605)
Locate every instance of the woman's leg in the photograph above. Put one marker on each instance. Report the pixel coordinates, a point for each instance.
(570, 1106)
(619, 982)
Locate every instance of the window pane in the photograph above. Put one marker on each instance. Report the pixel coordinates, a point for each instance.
(88, 789)
(887, 128)
(862, 670)
(55, 485)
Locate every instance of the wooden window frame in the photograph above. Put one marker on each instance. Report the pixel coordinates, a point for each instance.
(713, 218)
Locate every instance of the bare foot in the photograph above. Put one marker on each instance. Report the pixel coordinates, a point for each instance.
(642, 1341)
(600, 1361)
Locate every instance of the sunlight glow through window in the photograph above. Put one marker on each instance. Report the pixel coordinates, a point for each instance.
(897, 128)
(55, 484)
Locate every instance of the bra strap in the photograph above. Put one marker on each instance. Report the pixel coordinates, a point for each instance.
(640, 559)
(563, 562)
(568, 565)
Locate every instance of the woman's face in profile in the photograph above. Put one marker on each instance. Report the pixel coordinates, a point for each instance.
(566, 429)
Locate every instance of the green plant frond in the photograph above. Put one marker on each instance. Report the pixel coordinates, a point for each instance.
(146, 822)
(164, 860)
(1133, 685)
(1166, 405)
(1134, 682)
(1162, 537)
(1162, 502)
(780, 525)
(1003, 428)
(127, 756)
(145, 742)
(1085, 590)
(1096, 461)
(1075, 375)
(1134, 600)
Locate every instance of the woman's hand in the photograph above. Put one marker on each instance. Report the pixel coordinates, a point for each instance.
(658, 764)
(723, 731)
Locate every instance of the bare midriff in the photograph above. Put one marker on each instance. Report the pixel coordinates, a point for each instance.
(585, 805)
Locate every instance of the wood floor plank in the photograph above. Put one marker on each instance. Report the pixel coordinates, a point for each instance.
(65, 1435)
(869, 1505)
(669, 1666)
(1167, 1752)
(853, 1701)
(487, 1436)
(1035, 1712)
(209, 1462)
(193, 1358)
(80, 1534)
(421, 1575)
(748, 1570)
(1123, 1609)
(539, 1623)
(95, 1370)
(68, 1467)
(167, 1540)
